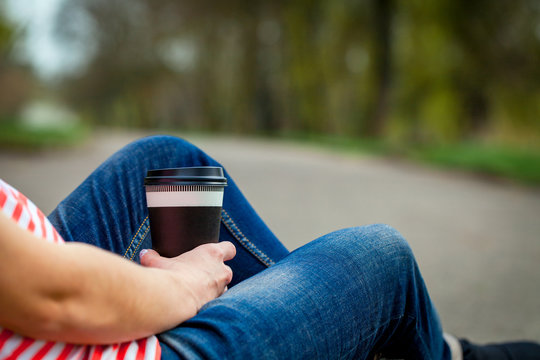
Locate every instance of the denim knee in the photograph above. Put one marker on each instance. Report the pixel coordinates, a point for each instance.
(386, 239)
(160, 151)
(153, 143)
(379, 242)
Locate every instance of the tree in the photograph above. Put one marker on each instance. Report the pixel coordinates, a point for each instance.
(16, 81)
(382, 55)
(416, 71)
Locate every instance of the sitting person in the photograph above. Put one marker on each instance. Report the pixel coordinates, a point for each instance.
(355, 293)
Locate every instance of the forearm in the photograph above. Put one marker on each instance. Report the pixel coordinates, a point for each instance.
(79, 293)
(110, 299)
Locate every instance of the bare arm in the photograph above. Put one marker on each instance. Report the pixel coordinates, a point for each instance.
(79, 293)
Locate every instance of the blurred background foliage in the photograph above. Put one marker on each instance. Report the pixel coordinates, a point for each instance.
(460, 79)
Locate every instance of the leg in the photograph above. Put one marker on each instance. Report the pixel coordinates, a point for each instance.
(347, 295)
(109, 208)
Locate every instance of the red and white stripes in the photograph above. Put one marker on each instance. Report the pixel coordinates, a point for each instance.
(13, 346)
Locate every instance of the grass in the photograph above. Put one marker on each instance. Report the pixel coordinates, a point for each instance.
(342, 143)
(491, 160)
(15, 136)
(503, 162)
(507, 162)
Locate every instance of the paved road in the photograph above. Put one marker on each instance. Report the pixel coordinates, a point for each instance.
(477, 242)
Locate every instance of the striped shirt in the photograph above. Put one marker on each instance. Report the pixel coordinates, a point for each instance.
(13, 346)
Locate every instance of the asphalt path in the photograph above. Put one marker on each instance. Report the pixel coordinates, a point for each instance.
(477, 241)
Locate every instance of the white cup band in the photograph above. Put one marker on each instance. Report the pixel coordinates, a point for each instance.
(184, 198)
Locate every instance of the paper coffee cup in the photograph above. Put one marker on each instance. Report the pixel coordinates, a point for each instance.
(184, 206)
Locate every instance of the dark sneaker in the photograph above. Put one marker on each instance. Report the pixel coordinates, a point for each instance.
(502, 351)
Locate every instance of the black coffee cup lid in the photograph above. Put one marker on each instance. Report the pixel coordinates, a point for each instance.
(199, 175)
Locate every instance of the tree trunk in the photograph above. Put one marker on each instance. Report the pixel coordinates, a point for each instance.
(382, 50)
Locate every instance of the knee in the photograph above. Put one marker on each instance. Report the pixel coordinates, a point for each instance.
(168, 151)
(384, 238)
(159, 143)
(380, 242)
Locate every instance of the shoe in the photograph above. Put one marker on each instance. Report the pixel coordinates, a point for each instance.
(503, 351)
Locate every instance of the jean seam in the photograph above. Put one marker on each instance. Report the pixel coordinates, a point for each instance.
(233, 228)
(139, 243)
(134, 237)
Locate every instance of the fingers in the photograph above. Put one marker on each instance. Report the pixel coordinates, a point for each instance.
(229, 250)
(149, 257)
(203, 269)
(223, 251)
(225, 279)
(228, 275)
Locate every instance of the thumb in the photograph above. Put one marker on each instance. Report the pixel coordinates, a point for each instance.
(149, 257)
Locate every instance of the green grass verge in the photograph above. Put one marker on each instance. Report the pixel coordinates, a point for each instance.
(505, 162)
(501, 161)
(14, 136)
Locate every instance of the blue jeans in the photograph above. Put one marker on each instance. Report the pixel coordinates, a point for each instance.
(349, 294)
